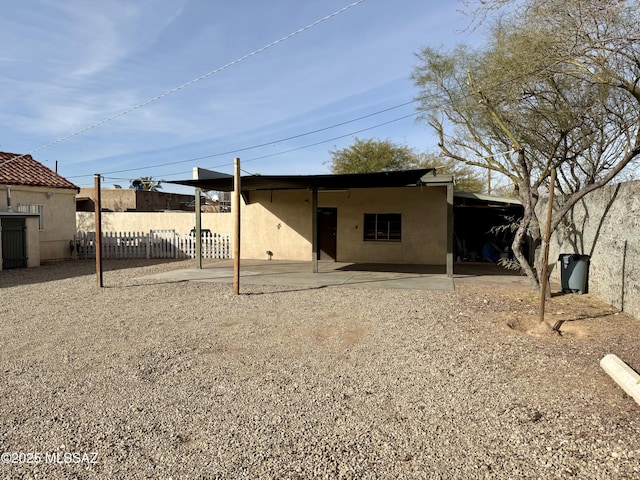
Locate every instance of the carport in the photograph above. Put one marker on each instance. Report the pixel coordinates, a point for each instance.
(480, 219)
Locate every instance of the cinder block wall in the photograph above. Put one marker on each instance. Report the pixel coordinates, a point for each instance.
(606, 226)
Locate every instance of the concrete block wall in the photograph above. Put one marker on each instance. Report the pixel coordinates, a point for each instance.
(606, 226)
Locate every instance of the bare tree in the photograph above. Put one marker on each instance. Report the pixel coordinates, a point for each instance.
(557, 87)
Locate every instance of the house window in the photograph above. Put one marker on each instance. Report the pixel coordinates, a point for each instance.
(382, 227)
(33, 208)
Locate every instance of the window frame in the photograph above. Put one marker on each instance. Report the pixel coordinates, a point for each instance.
(387, 227)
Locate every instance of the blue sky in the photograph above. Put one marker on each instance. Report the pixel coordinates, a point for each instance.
(70, 65)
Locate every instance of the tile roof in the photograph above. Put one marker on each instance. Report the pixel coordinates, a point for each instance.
(24, 170)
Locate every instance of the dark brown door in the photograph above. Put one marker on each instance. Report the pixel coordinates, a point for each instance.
(14, 252)
(327, 229)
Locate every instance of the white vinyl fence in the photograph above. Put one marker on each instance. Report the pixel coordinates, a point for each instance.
(155, 244)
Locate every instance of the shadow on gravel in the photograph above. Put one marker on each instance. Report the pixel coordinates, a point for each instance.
(558, 325)
(288, 290)
(133, 285)
(70, 269)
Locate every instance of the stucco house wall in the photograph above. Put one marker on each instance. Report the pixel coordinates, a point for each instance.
(281, 222)
(278, 221)
(424, 224)
(33, 243)
(59, 220)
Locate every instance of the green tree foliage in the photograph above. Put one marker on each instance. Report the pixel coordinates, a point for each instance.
(372, 156)
(383, 155)
(556, 87)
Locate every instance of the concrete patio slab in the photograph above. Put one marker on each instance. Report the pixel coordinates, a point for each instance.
(262, 272)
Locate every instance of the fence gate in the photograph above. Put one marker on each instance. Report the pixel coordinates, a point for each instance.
(14, 247)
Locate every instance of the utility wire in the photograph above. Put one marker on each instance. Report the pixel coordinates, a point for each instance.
(459, 88)
(264, 156)
(332, 139)
(188, 84)
(306, 146)
(252, 147)
(278, 153)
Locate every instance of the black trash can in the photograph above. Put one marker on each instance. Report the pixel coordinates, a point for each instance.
(574, 272)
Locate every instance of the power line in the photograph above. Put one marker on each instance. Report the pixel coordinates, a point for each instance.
(303, 134)
(252, 147)
(275, 154)
(188, 84)
(311, 144)
(334, 138)
(261, 157)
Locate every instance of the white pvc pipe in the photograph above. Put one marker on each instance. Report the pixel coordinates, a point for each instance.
(623, 375)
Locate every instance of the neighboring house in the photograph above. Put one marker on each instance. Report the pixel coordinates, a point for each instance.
(403, 217)
(132, 200)
(37, 213)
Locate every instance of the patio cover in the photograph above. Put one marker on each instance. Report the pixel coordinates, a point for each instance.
(221, 182)
(403, 178)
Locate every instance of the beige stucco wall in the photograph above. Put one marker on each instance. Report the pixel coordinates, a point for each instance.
(59, 217)
(33, 242)
(181, 222)
(280, 222)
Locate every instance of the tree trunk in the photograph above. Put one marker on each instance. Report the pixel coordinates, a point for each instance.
(516, 246)
(527, 224)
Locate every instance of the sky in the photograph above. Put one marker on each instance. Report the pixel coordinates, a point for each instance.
(70, 71)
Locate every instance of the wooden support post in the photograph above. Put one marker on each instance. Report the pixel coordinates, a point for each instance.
(236, 230)
(449, 230)
(314, 229)
(98, 221)
(547, 238)
(198, 229)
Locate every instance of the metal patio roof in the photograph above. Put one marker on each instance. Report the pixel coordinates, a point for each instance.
(401, 178)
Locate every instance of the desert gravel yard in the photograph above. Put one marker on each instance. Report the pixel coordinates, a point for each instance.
(181, 380)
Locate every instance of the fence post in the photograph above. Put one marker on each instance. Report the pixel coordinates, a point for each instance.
(174, 242)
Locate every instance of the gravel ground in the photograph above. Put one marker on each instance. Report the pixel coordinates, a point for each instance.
(184, 380)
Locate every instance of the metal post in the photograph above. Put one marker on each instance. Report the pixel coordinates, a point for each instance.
(449, 260)
(236, 229)
(198, 228)
(314, 229)
(98, 221)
